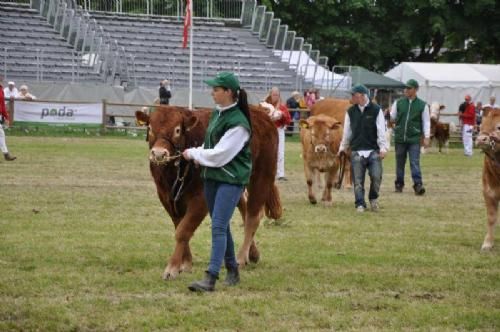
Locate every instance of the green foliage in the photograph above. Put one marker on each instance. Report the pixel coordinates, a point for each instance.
(84, 240)
(379, 34)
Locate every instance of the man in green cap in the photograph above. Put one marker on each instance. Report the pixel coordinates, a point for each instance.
(412, 118)
(364, 133)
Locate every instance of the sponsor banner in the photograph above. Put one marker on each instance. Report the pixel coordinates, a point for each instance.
(58, 113)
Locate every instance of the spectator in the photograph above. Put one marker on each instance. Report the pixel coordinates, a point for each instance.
(293, 104)
(412, 118)
(24, 94)
(364, 133)
(479, 114)
(4, 118)
(461, 109)
(310, 97)
(492, 103)
(281, 117)
(468, 119)
(164, 92)
(10, 92)
(227, 164)
(317, 95)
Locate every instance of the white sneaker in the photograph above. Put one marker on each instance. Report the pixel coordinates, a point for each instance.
(374, 205)
(360, 208)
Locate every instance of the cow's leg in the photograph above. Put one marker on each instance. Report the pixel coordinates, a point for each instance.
(492, 214)
(347, 174)
(181, 259)
(327, 192)
(242, 206)
(309, 173)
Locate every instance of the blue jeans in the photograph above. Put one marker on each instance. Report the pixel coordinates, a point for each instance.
(359, 166)
(413, 150)
(222, 199)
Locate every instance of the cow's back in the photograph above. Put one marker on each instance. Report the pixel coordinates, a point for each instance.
(333, 107)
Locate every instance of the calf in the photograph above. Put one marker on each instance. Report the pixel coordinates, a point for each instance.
(489, 141)
(320, 136)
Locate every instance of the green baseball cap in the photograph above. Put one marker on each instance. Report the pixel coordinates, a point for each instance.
(360, 88)
(225, 79)
(412, 84)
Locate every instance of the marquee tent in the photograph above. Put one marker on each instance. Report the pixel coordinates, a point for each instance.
(448, 83)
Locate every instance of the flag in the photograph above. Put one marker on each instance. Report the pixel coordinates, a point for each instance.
(187, 24)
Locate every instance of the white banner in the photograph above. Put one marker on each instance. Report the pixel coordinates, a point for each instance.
(57, 113)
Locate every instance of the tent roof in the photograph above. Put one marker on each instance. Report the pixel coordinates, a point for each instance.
(447, 74)
(373, 80)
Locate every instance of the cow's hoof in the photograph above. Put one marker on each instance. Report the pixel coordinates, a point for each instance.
(170, 273)
(312, 200)
(254, 254)
(487, 246)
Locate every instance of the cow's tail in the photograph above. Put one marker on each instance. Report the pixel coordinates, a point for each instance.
(273, 208)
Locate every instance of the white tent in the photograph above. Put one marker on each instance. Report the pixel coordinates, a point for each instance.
(448, 83)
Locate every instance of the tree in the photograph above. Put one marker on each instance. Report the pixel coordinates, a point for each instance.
(377, 34)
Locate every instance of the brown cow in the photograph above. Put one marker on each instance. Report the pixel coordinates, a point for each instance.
(320, 136)
(336, 108)
(489, 141)
(172, 129)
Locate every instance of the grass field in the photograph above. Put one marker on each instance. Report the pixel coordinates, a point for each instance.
(84, 241)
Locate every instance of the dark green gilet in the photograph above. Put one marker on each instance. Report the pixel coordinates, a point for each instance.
(409, 127)
(238, 170)
(364, 127)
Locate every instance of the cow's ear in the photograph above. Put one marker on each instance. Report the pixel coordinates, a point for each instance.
(304, 124)
(190, 121)
(141, 118)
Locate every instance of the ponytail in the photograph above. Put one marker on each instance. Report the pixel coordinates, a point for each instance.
(243, 104)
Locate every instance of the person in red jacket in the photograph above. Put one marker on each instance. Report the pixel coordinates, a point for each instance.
(4, 118)
(281, 117)
(468, 119)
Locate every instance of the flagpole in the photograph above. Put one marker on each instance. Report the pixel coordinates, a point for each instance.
(191, 55)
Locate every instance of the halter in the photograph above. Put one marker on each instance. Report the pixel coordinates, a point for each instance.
(490, 153)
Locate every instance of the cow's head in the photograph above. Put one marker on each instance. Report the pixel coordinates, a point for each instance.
(489, 136)
(167, 130)
(324, 130)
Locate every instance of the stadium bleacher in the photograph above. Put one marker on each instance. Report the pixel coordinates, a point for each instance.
(33, 50)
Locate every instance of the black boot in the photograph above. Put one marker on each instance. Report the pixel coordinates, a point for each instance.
(205, 285)
(419, 189)
(232, 276)
(8, 157)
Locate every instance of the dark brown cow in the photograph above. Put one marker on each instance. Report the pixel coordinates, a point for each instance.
(336, 108)
(489, 141)
(320, 136)
(441, 133)
(172, 129)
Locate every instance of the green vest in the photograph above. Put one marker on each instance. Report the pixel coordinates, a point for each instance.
(238, 170)
(409, 127)
(364, 127)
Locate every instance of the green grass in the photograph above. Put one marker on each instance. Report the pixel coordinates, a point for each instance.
(84, 241)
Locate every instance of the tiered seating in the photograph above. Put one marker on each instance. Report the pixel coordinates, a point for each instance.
(34, 50)
(156, 45)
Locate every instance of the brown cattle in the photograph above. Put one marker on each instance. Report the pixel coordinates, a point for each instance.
(489, 141)
(320, 136)
(336, 108)
(172, 129)
(441, 133)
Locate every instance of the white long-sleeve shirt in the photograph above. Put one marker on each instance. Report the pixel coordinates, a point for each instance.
(10, 94)
(225, 150)
(347, 135)
(426, 118)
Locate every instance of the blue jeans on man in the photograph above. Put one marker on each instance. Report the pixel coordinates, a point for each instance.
(359, 166)
(413, 151)
(222, 199)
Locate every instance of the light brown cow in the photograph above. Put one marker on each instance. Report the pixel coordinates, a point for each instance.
(489, 141)
(320, 136)
(336, 108)
(179, 185)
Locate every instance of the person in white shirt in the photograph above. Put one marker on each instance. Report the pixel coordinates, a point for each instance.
(24, 94)
(492, 103)
(10, 92)
(364, 133)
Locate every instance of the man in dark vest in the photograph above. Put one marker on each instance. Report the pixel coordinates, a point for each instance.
(364, 133)
(412, 118)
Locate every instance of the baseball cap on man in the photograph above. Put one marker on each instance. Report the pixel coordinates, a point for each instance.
(412, 84)
(360, 88)
(225, 79)
(11, 83)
